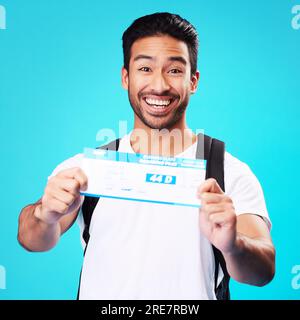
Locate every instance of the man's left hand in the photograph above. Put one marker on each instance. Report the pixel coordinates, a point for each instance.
(217, 216)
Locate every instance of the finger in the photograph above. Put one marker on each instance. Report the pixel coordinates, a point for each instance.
(70, 185)
(203, 213)
(75, 173)
(210, 185)
(76, 204)
(56, 205)
(82, 179)
(63, 196)
(208, 197)
(213, 208)
(218, 218)
(221, 218)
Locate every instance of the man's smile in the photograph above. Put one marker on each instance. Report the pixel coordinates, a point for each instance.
(158, 105)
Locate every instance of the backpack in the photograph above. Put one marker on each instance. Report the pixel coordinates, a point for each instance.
(214, 155)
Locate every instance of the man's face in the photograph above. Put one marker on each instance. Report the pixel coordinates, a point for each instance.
(159, 80)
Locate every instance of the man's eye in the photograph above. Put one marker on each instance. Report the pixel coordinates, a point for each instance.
(175, 71)
(145, 69)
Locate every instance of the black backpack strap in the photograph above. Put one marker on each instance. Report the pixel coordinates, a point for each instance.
(89, 203)
(213, 151)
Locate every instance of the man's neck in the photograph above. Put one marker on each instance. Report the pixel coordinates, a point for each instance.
(165, 142)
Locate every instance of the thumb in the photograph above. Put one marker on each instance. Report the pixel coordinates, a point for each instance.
(216, 187)
(210, 185)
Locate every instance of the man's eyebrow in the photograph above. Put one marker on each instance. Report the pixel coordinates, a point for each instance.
(173, 58)
(142, 56)
(178, 59)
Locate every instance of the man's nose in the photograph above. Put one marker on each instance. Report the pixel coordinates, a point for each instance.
(159, 83)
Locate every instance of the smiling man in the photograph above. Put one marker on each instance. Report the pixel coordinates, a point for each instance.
(138, 250)
(159, 81)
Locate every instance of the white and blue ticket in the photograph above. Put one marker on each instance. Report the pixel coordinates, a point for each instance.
(146, 178)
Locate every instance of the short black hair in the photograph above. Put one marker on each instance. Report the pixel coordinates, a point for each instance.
(162, 23)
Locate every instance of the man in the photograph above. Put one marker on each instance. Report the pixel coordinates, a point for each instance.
(158, 251)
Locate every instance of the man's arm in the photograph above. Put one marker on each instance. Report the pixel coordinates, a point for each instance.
(252, 260)
(245, 240)
(41, 224)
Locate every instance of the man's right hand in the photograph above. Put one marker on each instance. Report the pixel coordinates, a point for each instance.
(61, 195)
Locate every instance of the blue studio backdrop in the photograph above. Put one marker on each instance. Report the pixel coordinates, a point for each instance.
(60, 63)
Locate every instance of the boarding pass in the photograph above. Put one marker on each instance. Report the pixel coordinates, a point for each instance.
(143, 178)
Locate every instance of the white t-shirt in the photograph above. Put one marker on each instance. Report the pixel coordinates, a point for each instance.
(156, 251)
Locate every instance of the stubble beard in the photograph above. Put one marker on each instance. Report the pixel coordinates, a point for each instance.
(158, 122)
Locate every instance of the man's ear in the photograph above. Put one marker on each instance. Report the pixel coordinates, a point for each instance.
(194, 81)
(125, 78)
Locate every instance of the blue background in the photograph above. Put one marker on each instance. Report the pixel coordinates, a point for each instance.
(60, 65)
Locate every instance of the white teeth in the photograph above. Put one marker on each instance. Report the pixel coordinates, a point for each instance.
(156, 102)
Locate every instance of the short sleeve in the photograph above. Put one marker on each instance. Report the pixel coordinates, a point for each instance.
(243, 187)
(68, 164)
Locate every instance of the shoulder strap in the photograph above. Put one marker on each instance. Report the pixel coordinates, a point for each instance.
(89, 203)
(213, 151)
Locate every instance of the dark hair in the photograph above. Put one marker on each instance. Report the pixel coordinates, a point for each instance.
(162, 23)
